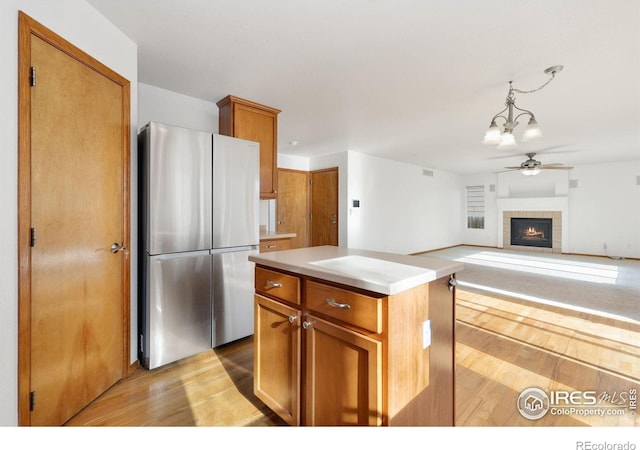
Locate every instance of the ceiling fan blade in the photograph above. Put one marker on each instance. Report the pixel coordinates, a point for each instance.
(513, 168)
(554, 167)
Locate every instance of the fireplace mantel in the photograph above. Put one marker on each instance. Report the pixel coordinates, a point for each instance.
(552, 207)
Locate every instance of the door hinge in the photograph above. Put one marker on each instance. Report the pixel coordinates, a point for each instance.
(32, 401)
(142, 344)
(32, 76)
(34, 237)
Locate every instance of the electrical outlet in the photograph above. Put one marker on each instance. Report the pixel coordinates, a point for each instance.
(426, 334)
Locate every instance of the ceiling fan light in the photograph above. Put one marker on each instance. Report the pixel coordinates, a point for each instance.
(532, 131)
(492, 136)
(530, 171)
(507, 140)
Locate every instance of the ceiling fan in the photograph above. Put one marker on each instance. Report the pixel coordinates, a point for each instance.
(533, 167)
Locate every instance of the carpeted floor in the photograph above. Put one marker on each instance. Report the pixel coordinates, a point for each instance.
(598, 285)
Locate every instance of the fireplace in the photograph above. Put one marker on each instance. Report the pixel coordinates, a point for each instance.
(531, 232)
(517, 211)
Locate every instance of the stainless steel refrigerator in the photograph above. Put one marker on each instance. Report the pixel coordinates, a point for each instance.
(199, 210)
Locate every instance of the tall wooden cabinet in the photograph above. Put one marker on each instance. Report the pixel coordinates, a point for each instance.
(245, 119)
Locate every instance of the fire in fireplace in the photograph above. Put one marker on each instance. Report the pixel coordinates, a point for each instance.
(531, 232)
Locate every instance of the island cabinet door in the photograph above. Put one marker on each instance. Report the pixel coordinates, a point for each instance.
(343, 376)
(277, 358)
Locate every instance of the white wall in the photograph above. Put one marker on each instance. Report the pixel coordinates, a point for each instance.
(160, 105)
(293, 162)
(401, 209)
(83, 26)
(605, 208)
(548, 183)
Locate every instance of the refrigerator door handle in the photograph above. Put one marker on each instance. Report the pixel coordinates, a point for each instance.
(244, 248)
(179, 255)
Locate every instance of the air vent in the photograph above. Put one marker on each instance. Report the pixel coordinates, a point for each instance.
(427, 172)
(573, 183)
(492, 188)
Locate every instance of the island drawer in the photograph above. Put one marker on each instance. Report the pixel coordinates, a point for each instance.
(356, 309)
(274, 245)
(278, 285)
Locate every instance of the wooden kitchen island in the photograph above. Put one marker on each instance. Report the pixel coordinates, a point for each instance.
(353, 337)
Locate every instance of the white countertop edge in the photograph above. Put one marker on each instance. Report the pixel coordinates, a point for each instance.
(298, 261)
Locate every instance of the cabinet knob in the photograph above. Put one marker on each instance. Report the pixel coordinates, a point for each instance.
(292, 319)
(452, 282)
(306, 325)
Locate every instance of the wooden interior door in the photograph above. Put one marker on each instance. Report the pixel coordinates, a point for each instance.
(324, 207)
(292, 205)
(75, 339)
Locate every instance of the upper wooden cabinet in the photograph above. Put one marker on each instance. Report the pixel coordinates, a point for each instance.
(245, 119)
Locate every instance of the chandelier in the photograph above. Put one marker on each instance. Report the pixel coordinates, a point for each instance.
(504, 137)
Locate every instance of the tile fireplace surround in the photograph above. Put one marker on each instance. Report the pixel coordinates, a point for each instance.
(555, 216)
(556, 208)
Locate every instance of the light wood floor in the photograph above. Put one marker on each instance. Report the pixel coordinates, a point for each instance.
(503, 346)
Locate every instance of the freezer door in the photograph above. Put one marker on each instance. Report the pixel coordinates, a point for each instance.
(177, 189)
(177, 307)
(236, 192)
(232, 295)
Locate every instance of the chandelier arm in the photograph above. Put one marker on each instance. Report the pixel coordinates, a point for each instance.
(553, 75)
(524, 113)
(500, 116)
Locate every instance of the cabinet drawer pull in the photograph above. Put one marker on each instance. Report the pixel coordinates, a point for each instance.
(271, 246)
(332, 302)
(273, 284)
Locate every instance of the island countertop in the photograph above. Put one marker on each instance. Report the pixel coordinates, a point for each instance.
(385, 273)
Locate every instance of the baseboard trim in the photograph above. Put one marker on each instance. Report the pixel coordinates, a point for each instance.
(133, 367)
(435, 250)
(613, 258)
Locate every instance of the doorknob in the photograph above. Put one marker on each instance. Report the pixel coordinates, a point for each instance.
(115, 247)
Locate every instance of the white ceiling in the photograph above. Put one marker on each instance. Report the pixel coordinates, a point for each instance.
(410, 80)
